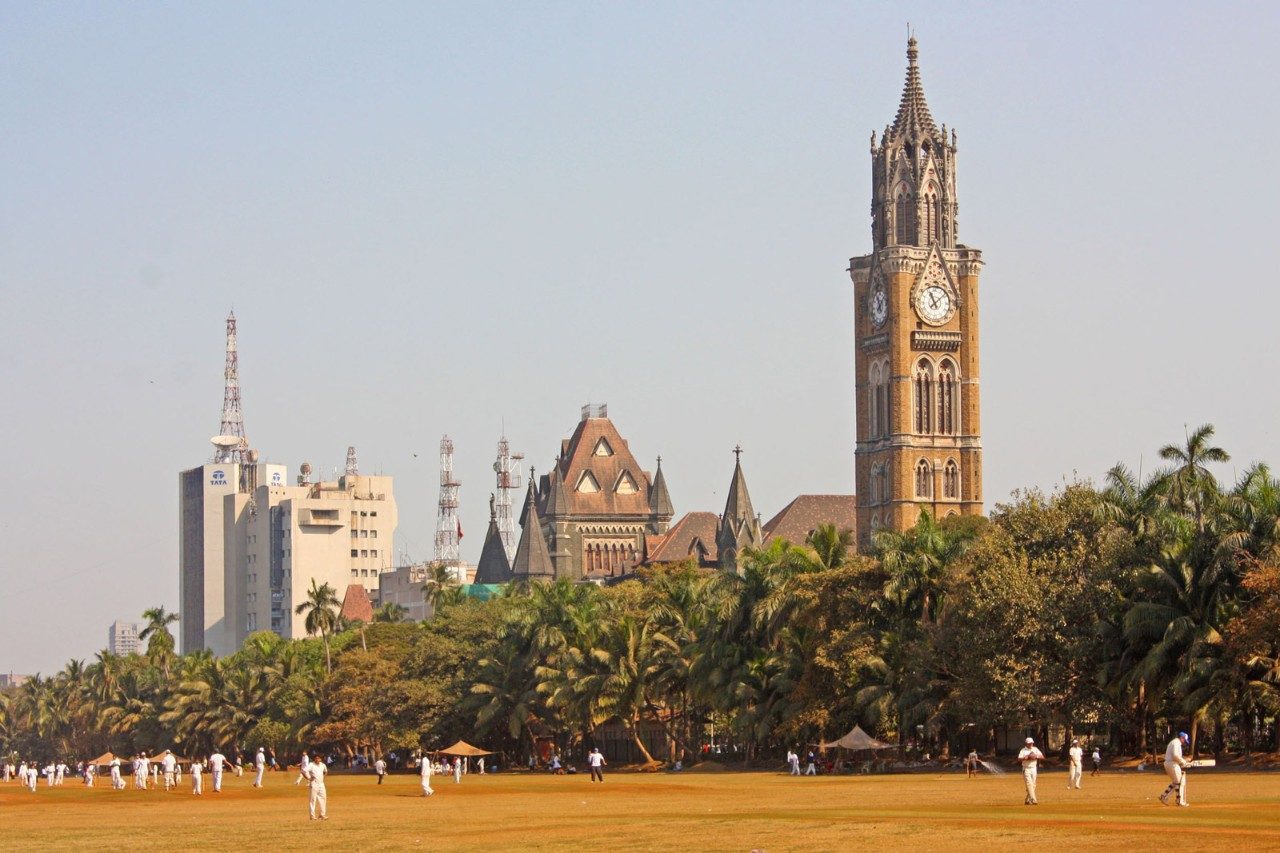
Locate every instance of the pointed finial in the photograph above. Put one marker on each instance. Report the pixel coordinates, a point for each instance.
(493, 511)
(737, 453)
(659, 460)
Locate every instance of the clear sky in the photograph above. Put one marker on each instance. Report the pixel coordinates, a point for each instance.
(442, 218)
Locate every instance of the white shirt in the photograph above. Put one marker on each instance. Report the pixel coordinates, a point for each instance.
(1029, 756)
(315, 772)
(196, 768)
(1097, 756)
(260, 760)
(425, 770)
(216, 761)
(305, 762)
(596, 759)
(1173, 753)
(170, 763)
(380, 766)
(1076, 754)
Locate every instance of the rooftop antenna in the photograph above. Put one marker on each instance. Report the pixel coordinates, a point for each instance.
(230, 444)
(448, 528)
(353, 468)
(508, 482)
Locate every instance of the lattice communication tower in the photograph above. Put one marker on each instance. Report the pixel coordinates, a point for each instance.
(230, 444)
(508, 484)
(353, 467)
(448, 528)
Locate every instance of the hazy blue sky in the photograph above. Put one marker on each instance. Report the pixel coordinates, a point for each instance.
(432, 218)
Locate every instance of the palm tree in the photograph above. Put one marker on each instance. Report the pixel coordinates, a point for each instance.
(161, 645)
(441, 586)
(390, 612)
(917, 560)
(832, 546)
(321, 607)
(1191, 484)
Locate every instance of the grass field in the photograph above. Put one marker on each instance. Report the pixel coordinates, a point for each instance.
(635, 811)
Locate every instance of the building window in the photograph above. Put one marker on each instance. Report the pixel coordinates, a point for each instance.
(924, 397)
(373, 552)
(948, 418)
(355, 553)
(355, 534)
(355, 573)
(951, 480)
(373, 534)
(924, 479)
(882, 400)
(364, 553)
(373, 514)
(883, 477)
(904, 219)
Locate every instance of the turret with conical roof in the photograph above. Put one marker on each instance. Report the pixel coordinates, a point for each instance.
(493, 566)
(659, 499)
(739, 526)
(532, 561)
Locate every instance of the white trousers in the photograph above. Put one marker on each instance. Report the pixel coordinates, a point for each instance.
(1029, 778)
(116, 781)
(257, 780)
(318, 804)
(168, 780)
(1177, 781)
(197, 783)
(217, 780)
(1074, 773)
(426, 786)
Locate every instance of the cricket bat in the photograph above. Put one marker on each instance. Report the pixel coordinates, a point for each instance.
(1205, 762)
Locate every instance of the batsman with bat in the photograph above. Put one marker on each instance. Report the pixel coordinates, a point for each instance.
(1175, 765)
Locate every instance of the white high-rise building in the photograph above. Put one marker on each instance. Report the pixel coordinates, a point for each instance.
(122, 638)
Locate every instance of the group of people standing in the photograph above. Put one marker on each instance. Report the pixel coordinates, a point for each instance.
(1175, 765)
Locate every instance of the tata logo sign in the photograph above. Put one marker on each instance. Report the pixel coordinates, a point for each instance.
(218, 478)
(275, 477)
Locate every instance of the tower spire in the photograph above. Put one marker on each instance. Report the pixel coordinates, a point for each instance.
(913, 118)
(230, 443)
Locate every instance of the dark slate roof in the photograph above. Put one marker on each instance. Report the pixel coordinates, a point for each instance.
(578, 456)
(659, 500)
(493, 566)
(803, 515)
(913, 119)
(694, 535)
(356, 605)
(738, 506)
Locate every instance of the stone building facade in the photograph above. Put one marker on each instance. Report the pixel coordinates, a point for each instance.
(919, 437)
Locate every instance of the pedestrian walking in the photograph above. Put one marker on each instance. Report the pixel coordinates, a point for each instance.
(380, 767)
(971, 764)
(793, 761)
(597, 763)
(1029, 756)
(117, 781)
(457, 770)
(1176, 768)
(811, 768)
(1097, 761)
(1075, 764)
(317, 803)
(170, 765)
(197, 777)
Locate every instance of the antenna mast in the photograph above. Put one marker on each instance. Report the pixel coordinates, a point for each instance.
(353, 469)
(228, 448)
(508, 484)
(448, 528)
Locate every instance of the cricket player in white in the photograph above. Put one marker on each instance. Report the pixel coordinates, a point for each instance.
(1075, 764)
(197, 780)
(302, 770)
(33, 776)
(169, 763)
(260, 766)
(425, 771)
(1029, 756)
(457, 769)
(117, 781)
(1175, 765)
(216, 761)
(793, 761)
(318, 802)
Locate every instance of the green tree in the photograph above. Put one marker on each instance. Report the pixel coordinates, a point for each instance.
(160, 643)
(321, 609)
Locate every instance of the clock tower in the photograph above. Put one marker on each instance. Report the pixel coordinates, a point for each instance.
(916, 331)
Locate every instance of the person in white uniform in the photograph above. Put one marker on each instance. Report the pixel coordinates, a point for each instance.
(793, 761)
(197, 777)
(117, 781)
(1175, 766)
(61, 774)
(457, 769)
(380, 768)
(424, 770)
(596, 762)
(1075, 764)
(1029, 756)
(317, 804)
(302, 770)
(216, 763)
(169, 763)
(90, 775)
(33, 776)
(260, 767)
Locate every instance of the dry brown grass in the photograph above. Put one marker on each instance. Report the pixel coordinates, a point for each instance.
(643, 811)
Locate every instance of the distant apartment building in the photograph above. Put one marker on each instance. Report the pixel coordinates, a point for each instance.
(12, 680)
(122, 638)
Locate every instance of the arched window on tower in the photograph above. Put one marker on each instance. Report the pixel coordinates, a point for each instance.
(932, 219)
(923, 386)
(951, 480)
(873, 395)
(882, 399)
(924, 479)
(904, 219)
(883, 477)
(948, 404)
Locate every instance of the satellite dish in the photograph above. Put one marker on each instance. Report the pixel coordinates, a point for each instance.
(226, 440)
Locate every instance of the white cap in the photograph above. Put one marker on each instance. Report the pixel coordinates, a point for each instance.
(1031, 740)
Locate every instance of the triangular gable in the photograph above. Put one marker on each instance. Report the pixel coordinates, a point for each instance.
(935, 272)
(626, 484)
(602, 448)
(587, 483)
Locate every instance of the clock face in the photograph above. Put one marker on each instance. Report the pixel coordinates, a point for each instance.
(934, 304)
(879, 307)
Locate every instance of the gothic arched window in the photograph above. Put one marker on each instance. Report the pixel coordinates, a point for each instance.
(873, 398)
(932, 219)
(904, 219)
(882, 399)
(924, 479)
(923, 386)
(948, 408)
(951, 480)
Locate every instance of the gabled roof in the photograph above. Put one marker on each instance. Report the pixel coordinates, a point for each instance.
(913, 118)
(738, 506)
(803, 515)
(578, 457)
(356, 605)
(694, 535)
(532, 559)
(493, 566)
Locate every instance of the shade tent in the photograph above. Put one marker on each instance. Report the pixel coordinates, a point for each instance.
(159, 757)
(858, 739)
(464, 749)
(103, 760)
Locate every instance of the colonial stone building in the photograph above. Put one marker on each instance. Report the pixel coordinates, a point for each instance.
(595, 508)
(916, 331)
